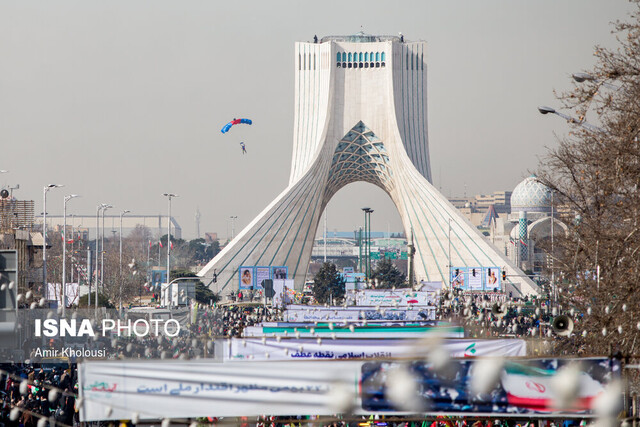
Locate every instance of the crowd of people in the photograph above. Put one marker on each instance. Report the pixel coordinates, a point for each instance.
(30, 392)
(503, 316)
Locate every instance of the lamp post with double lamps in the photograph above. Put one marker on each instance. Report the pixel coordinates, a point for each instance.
(101, 207)
(169, 196)
(64, 251)
(120, 263)
(102, 247)
(45, 289)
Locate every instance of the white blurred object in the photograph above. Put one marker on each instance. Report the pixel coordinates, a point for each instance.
(609, 403)
(341, 398)
(566, 385)
(485, 375)
(402, 390)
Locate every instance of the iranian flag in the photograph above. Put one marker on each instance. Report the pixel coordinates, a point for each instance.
(531, 387)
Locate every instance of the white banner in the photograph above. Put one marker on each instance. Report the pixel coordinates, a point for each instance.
(341, 331)
(332, 314)
(344, 349)
(177, 389)
(397, 297)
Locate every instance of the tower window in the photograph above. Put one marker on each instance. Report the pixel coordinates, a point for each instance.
(349, 64)
(377, 56)
(366, 65)
(382, 57)
(344, 57)
(344, 65)
(366, 57)
(360, 57)
(350, 57)
(377, 65)
(338, 57)
(361, 65)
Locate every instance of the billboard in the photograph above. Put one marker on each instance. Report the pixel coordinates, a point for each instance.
(492, 279)
(280, 272)
(158, 277)
(484, 279)
(246, 277)
(459, 277)
(262, 273)
(475, 279)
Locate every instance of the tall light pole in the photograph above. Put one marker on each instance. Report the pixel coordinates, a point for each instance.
(73, 221)
(369, 212)
(121, 215)
(104, 209)
(366, 254)
(120, 263)
(64, 252)
(367, 246)
(45, 290)
(169, 196)
(233, 226)
(101, 206)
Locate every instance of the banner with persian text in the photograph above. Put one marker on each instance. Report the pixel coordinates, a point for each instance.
(123, 390)
(346, 349)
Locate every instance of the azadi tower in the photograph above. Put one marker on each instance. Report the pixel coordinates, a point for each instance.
(361, 115)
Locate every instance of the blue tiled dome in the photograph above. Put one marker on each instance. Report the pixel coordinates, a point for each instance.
(531, 196)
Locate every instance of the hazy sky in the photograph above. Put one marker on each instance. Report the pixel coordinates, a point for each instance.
(122, 101)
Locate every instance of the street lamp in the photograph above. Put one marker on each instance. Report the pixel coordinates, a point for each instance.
(101, 206)
(169, 196)
(102, 246)
(120, 291)
(367, 246)
(45, 290)
(581, 123)
(64, 251)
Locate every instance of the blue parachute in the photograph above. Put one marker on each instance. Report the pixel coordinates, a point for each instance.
(233, 122)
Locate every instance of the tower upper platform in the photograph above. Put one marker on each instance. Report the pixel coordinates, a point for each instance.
(360, 37)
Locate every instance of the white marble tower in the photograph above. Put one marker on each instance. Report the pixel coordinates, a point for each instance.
(360, 115)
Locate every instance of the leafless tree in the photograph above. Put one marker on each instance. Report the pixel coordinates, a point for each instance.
(595, 176)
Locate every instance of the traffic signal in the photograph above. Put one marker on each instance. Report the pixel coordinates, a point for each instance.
(504, 274)
(457, 272)
(473, 272)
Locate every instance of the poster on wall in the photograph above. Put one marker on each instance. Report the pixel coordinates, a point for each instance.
(491, 278)
(280, 272)
(262, 273)
(475, 278)
(247, 277)
(459, 277)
